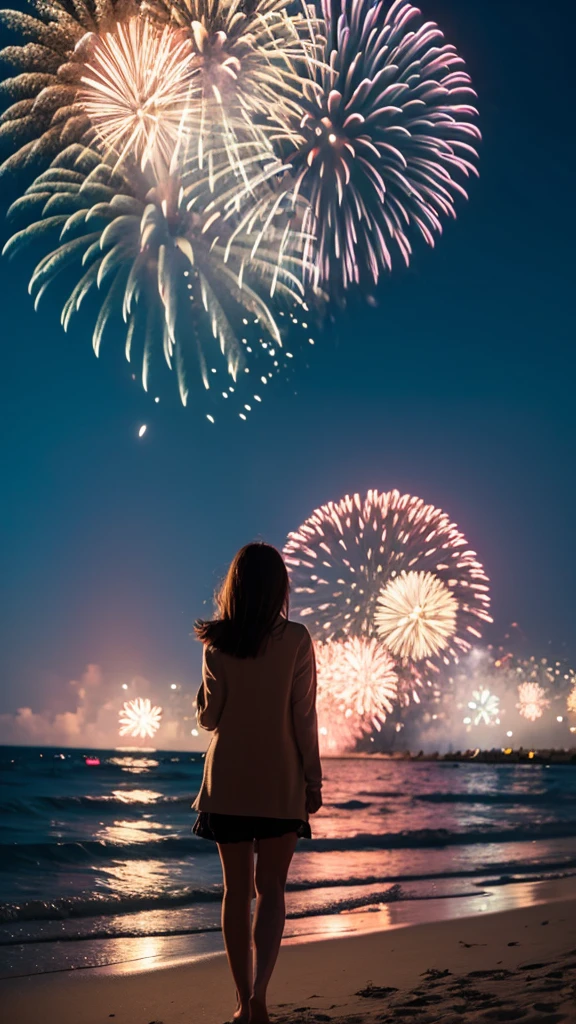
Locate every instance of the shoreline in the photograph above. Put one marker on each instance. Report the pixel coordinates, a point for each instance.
(322, 975)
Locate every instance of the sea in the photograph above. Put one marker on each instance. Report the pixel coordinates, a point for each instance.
(99, 867)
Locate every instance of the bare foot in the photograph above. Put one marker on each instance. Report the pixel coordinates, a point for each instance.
(258, 1012)
(241, 1015)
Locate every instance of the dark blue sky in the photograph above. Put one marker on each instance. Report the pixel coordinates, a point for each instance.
(458, 387)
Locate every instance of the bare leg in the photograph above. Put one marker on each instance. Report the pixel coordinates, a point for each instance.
(238, 871)
(274, 856)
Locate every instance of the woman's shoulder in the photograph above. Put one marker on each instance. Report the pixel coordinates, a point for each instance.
(297, 632)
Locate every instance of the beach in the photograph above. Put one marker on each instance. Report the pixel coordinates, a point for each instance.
(513, 965)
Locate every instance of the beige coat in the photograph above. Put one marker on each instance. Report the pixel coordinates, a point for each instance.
(262, 712)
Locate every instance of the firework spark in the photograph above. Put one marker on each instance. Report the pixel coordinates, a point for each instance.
(136, 89)
(360, 677)
(383, 137)
(416, 615)
(485, 708)
(342, 557)
(532, 701)
(139, 719)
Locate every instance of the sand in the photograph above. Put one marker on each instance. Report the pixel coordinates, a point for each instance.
(518, 965)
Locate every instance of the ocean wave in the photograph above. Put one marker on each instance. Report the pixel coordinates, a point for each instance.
(37, 855)
(106, 802)
(108, 904)
(392, 894)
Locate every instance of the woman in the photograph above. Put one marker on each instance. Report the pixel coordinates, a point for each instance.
(262, 774)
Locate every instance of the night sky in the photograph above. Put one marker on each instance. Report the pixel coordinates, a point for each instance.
(458, 387)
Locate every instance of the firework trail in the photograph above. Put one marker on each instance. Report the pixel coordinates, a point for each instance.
(344, 556)
(139, 719)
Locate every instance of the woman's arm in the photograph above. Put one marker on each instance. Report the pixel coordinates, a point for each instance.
(304, 712)
(210, 699)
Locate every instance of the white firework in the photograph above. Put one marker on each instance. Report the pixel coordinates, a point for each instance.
(135, 92)
(139, 718)
(485, 707)
(416, 615)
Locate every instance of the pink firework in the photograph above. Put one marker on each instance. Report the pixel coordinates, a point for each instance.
(532, 701)
(357, 680)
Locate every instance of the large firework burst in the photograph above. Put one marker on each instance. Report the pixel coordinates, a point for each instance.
(160, 247)
(278, 151)
(383, 138)
(416, 615)
(357, 682)
(139, 718)
(532, 701)
(347, 552)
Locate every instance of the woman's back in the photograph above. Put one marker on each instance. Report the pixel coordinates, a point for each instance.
(262, 710)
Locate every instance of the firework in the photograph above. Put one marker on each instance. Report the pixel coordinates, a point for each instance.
(343, 556)
(485, 708)
(383, 138)
(360, 678)
(45, 115)
(532, 701)
(136, 90)
(416, 615)
(246, 57)
(182, 267)
(571, 701)
(139, 719)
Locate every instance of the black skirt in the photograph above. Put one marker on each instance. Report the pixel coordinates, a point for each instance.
(240, 828)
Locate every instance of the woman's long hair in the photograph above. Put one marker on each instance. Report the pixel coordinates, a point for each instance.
(251, 599)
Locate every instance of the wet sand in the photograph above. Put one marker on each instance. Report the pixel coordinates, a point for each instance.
(515, 965)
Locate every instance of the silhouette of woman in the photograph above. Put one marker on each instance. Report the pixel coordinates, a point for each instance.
(262, 774)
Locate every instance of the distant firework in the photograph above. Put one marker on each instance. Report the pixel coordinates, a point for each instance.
(484, 708)
(416, 615)
(347, 552)
(532, 701)
(571, 701)
(360, 677)
(139, 719)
